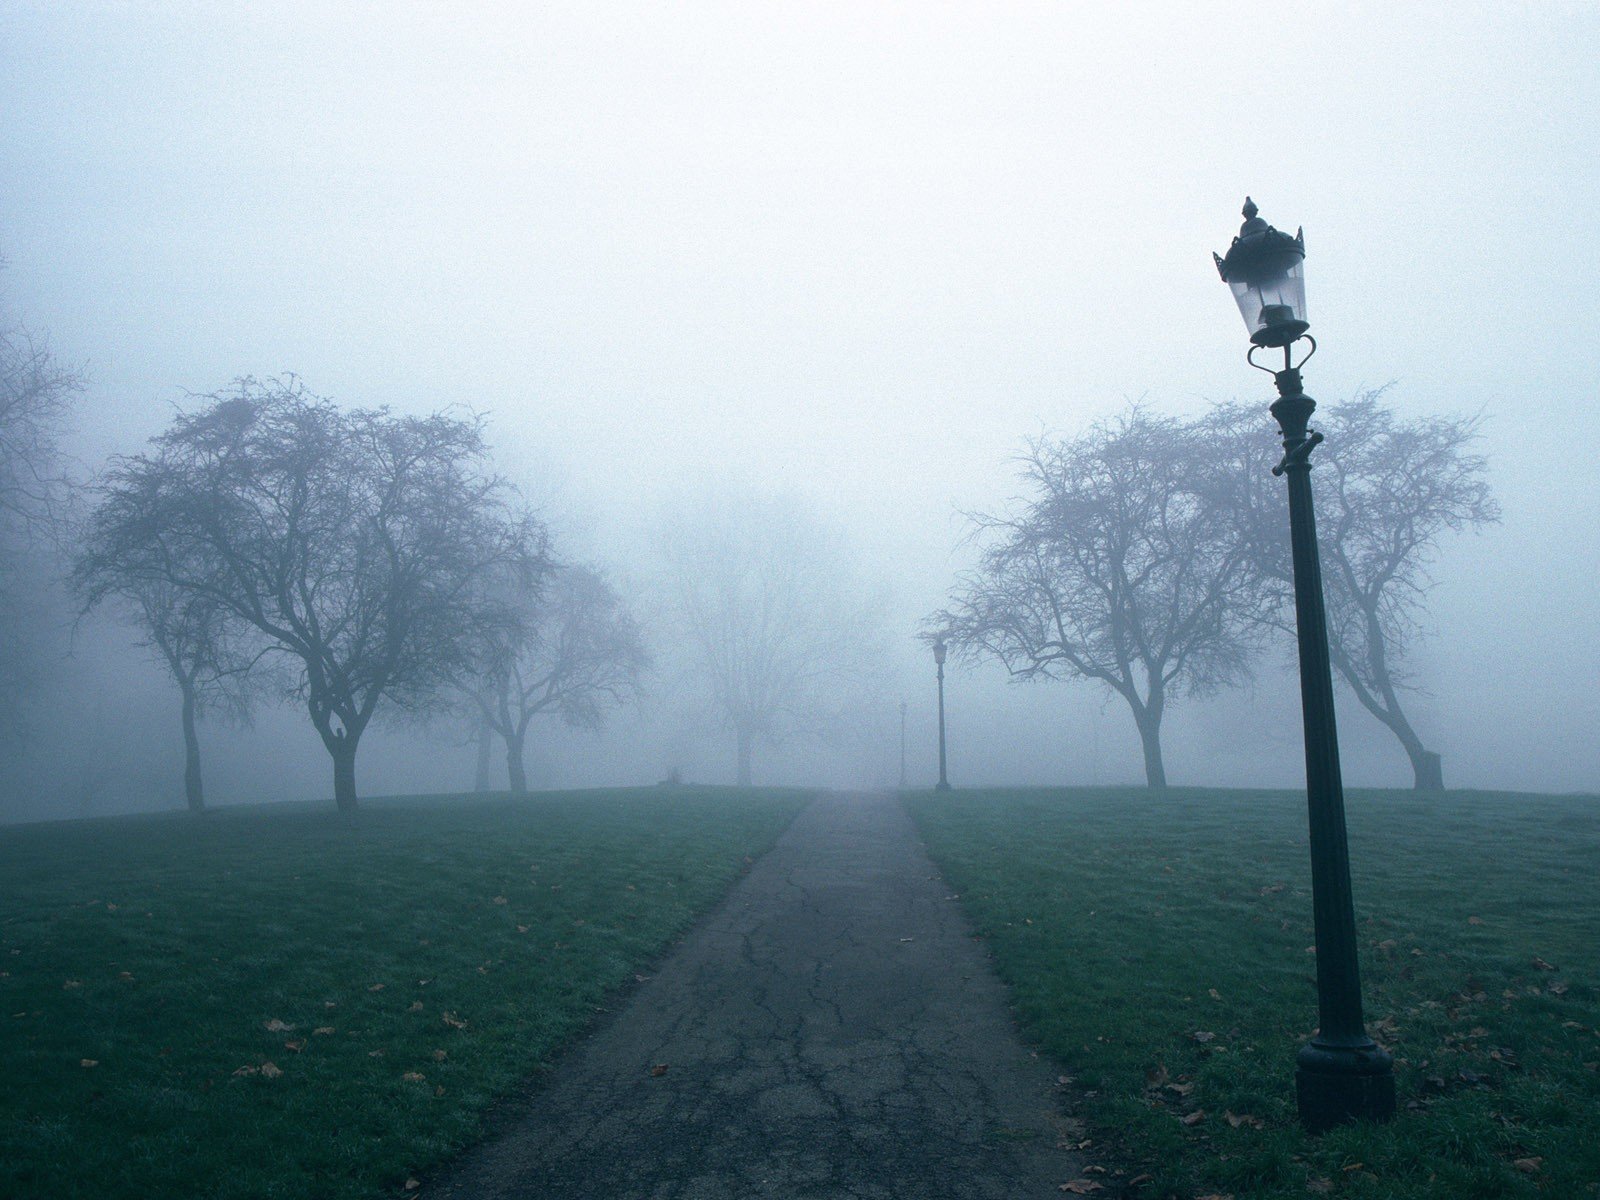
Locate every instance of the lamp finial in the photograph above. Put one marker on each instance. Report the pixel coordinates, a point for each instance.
(1250, 210)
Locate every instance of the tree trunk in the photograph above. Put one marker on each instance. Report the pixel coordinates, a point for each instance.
(193, 791)
(514, 770)
(480, 778)
(745, 746)
(1155, 771)
(1427, 769)
(344, 772)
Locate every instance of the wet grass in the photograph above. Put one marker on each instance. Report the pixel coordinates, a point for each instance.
(287, 1002)
(1160, 947)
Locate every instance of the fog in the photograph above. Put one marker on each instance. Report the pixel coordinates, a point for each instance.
(848, 255)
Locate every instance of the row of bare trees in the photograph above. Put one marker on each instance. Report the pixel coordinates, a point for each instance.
(357, 560)
(1150, 555)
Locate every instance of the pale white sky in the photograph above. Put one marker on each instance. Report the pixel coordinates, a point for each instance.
(855, 251)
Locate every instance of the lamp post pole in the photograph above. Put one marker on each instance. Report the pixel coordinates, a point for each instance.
(1341, 1074)
(902, 743)
(939, 652)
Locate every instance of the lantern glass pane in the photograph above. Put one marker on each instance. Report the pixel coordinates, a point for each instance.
(1283, 284)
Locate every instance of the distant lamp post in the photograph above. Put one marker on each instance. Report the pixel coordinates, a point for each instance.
(902, 743)
(939, 652)
(1341, 1074)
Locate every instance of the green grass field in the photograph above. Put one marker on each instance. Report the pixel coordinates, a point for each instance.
(1159, 946)
(287, 1002)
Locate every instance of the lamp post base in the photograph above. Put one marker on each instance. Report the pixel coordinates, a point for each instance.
(1336, 1085)
(941, 787)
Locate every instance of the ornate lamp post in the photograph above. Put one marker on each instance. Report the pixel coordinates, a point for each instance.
(939, 652)
(1341, 1074)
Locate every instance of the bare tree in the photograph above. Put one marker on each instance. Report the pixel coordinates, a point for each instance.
(1120, 566)
(201, 644)
(36, 396)
(354, 542)
(777, 635)
(575, 652)
(1387, 491)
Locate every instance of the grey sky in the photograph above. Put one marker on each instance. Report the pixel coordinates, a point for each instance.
(853, 251)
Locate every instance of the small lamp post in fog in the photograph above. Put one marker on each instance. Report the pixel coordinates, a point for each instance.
(1341, 1074)
(902, 743)
(939, 652)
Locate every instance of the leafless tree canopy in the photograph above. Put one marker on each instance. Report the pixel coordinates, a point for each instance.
(575, 652)
(36, 397)
(776, 637)
(1119, 565)
(1387, 491)
(352, 541)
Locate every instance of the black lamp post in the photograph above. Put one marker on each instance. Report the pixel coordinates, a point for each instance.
(939, 652)
(1341, 1074)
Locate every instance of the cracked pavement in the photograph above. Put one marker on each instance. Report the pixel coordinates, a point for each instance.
(831, 1030)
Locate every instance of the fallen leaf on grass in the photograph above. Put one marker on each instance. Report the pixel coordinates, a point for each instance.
(500, 900)
(70, 984)
(322, 1030)
(522, 929)
(414, 1077)
(1202, 1036)
(377, 987)
(1082, 1187)
(416, 1006)
(1528, 1166)
(1214, 994)
(452, 1020)
(413, 1184)
(270, 1070)
(297, 1045)
(658, 1070)
(1195, 1117)
(1319, 1186)
(88, 1062)
(439, 1056)
(374, 1053)
(1474, 920)
(248, 1071)
(277, 1026)
(1542, 965)
(1139, 1179)
(1216, 1196)
(1239, 1119)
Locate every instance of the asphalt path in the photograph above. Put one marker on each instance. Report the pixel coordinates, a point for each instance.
(831, 1030)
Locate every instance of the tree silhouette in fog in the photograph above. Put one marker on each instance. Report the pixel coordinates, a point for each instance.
(575, 652)
(1120, 564)
(1387, 491)
(353, 541)
(776, 633)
